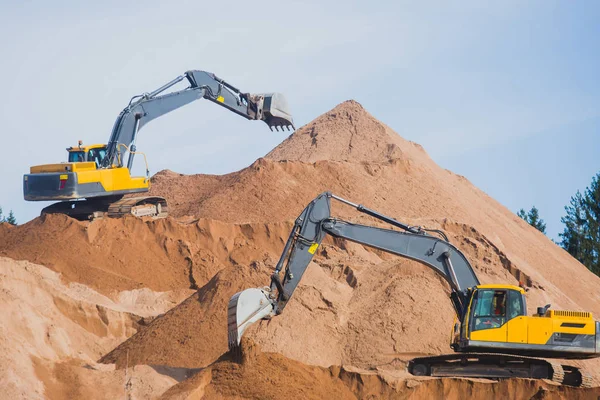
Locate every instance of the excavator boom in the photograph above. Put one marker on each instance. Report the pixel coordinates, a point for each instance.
(308, 232)
(271, 108)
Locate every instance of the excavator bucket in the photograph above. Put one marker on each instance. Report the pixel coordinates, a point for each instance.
(276, 112)
(244, 309)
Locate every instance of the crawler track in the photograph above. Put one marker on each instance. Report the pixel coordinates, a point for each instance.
(114, 207)
(155, 207)
(494, 365)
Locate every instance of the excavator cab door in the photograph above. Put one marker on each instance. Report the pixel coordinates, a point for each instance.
(487, 321)
(96, 155)
(517, 324)
(498, 315)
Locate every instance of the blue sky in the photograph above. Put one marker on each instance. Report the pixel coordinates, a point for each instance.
(506, 94)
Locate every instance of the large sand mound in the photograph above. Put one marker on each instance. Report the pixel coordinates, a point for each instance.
(411, 188)
(354, 307)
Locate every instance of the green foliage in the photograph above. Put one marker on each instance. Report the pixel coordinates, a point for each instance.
(581, 235)
(10, 219)
(533, 218)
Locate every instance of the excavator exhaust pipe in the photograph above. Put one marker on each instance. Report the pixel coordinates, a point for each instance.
(244, 309)
(276, 112)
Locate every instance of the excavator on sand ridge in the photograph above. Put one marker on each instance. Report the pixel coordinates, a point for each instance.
(96, 178)
(493, 336)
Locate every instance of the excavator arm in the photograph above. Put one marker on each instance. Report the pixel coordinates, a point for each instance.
(271, 108)
(311, 227)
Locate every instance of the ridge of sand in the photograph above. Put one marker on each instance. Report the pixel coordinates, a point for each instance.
(346, 133)
(112, 255)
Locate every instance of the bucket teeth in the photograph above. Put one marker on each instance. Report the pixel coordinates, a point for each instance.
(276, 111)
(280, 123)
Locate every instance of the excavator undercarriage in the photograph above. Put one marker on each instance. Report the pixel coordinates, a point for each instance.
(498, 366)
(111, 206)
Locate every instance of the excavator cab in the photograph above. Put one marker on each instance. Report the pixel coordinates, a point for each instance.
(496, 321)
(94, 153)
(494, 307)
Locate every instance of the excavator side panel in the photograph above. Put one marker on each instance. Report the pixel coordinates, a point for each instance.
(45, 168)
(543, 330)
(518, 329)
(539, 330)
(499, 334)
(113, 179)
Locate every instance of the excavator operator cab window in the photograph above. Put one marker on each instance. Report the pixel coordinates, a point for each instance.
(516, 304)
(76, 156)
(489, 309)
(96, 155)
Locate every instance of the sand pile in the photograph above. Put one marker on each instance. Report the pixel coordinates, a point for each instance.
(354, 307)
(51, 336)
(193, 334)
(350, 121)
(367, 323)
(113, 255)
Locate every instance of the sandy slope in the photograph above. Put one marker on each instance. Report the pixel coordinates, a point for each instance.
(271, 376)
(51, 336)
(355, 307)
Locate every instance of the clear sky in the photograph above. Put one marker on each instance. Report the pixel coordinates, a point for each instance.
(505, 93)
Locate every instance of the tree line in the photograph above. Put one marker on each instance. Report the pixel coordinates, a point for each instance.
(10, 218)
(581, 233)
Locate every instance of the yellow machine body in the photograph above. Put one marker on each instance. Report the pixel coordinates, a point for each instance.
(496, 321)
(81, 179)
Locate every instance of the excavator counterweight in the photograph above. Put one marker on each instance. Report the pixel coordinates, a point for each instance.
(485, 313)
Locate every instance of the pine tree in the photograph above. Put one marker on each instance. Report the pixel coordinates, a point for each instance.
(11, 218)
(581, 235)
(573, 233)
(592, 216)
(533, 218)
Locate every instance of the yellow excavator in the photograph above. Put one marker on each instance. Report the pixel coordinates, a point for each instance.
(492, 338)
(95, 180)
